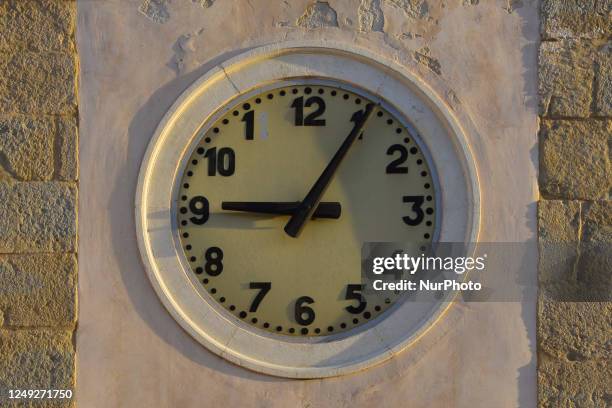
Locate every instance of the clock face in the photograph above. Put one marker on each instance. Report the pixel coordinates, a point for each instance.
(246, 177)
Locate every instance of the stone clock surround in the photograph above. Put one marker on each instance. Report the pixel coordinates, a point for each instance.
(443, 135)
(574, 202)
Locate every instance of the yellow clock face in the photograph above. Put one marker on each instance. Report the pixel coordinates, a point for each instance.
(248, 177)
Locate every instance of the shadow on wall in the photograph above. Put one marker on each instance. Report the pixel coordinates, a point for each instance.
(527, 374)
(141, 294)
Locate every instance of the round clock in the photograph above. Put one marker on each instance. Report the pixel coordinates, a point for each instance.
(261, 186)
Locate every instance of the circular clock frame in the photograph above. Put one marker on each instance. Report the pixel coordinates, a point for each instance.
(440, 135)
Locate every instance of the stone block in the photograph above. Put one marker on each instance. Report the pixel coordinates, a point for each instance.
(576, 19)
(566, 383)
(38, 83)
(566, 72)
(67, 150)
(575, 159)
(574, 331)
(31, 148)
(36, 359)
(38, 290)
(40, 25)
(558, 232)
(37, 217)
(603, 81)
(594, 269)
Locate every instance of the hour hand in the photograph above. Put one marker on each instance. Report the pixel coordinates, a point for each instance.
(323, 210)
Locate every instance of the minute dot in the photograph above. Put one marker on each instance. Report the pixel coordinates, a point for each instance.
(254, 320)
(398, 130)
(389, 121)
(317, 330)
(225, 121)
(282, 93)
(428, 223)
(414, 150)
(183, 223)
(213, 291)
(194, 162)
(235, 113)
(330, 329)
(185, 235)
(355, 321)
(199, 270)
(334, 93)
(200, 150)
(367, 315)
(377, 308)
(419, 162)
(186, 185)
(246, 106)
(343, 325)
(232, 308)
(292, 330)
(222, 299)
(357, 101)
(294, 91)
(379, 114)
(279, 328)
(321, 91)
(184, 198)
(427, 185)
(216, 130)
(243, 314)
(429, 198)
(270, 96)
(345, 96)
(208, 140)
(429, 211)
(423, 174)
(304, 331)
(189, 173)
(307, 90)
(426, 236)
(258, 101)
(193, 259)
(266, 325)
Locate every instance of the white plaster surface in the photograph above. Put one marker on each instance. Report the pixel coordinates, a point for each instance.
(131, 353)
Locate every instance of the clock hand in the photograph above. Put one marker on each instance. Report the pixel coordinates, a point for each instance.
(308, 205)
(324, 210)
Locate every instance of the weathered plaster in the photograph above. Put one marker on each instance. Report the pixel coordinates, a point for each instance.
(132, 353)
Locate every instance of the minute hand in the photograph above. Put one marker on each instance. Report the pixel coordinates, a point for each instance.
(308, 205)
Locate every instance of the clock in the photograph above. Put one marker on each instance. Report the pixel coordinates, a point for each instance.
(261, 187)
(249, 172)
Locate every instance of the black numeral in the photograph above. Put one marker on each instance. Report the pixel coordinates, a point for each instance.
(353, 292)
(199, 207)
(264, 288)
(417, 203)
(214, 261)
(394, 167)
(249, 120)
(224, 162)
(304, 315)
(312, 119)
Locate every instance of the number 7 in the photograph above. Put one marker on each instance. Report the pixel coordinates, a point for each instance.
(264, 288)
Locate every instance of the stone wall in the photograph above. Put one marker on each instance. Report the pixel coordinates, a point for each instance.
(38, 196)
(575, 213)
